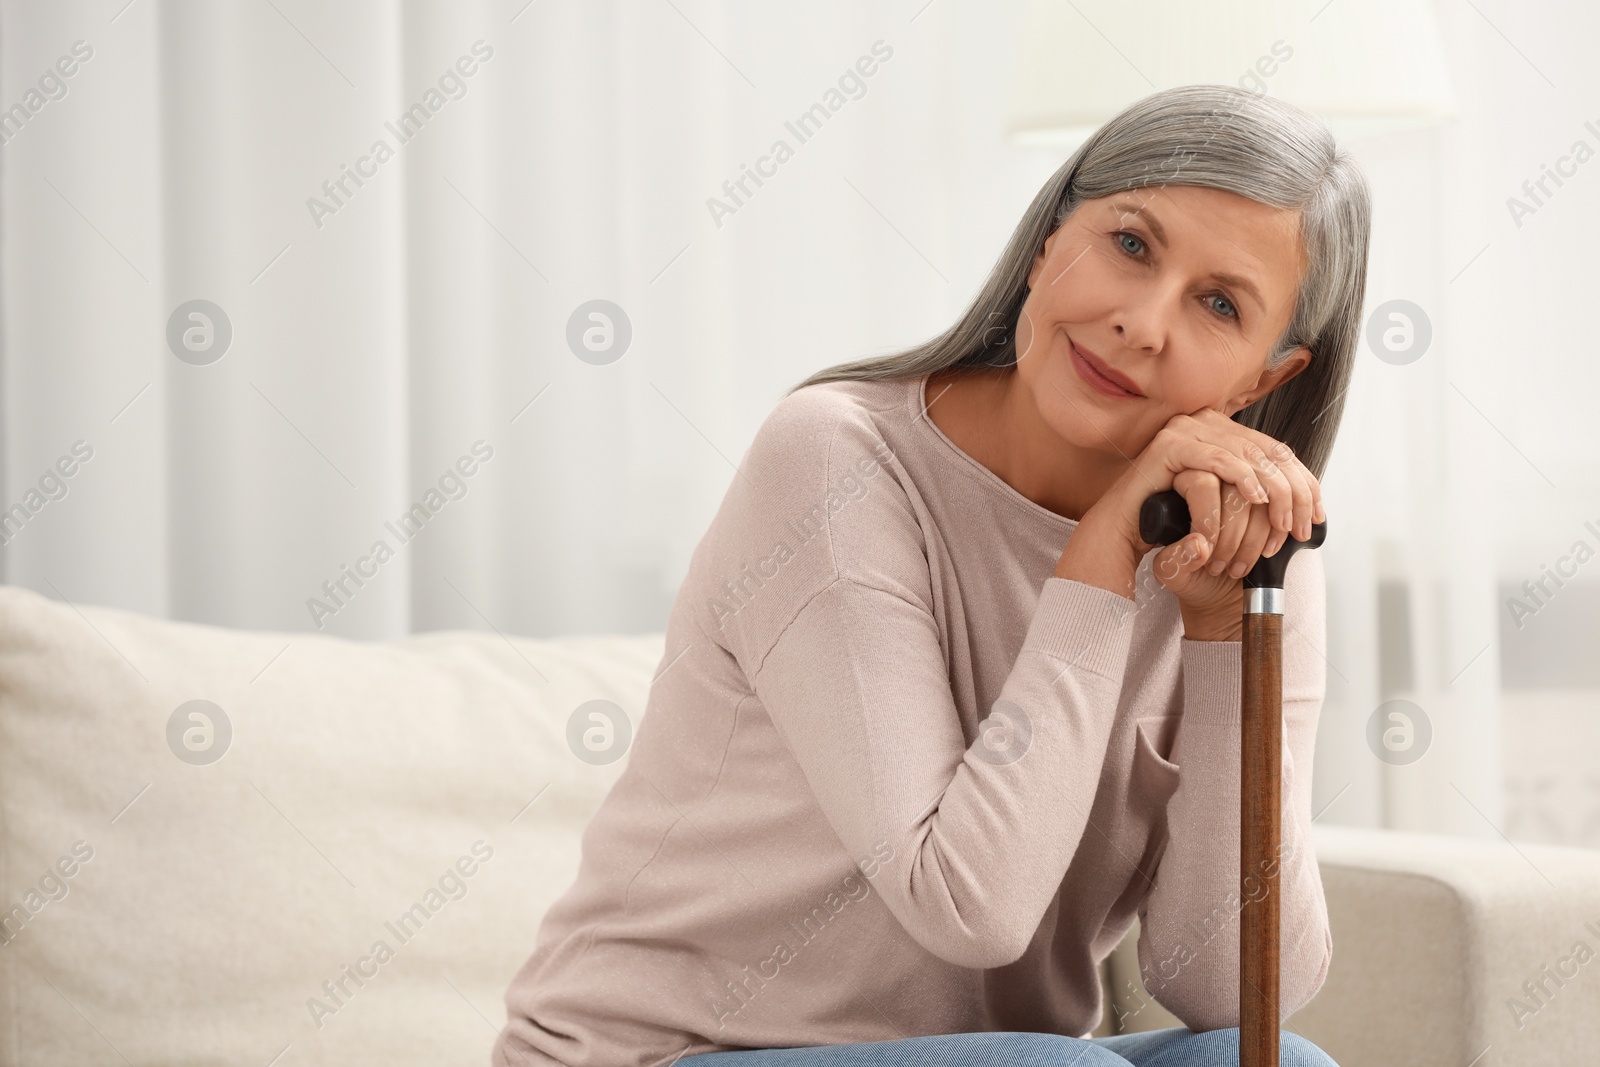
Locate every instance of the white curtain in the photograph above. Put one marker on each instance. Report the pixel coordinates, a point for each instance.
(374, 345)
(382, 330)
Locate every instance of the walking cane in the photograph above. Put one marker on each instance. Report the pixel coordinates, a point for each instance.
(1163, 519)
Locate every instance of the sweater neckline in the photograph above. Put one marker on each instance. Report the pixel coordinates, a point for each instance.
(917, 410)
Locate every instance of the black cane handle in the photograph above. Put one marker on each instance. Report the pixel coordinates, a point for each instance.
(1164, 518)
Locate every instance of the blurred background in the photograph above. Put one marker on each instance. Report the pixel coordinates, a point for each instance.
(276, 273)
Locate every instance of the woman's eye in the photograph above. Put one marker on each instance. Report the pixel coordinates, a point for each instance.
(1123, 237)
(1230, 312)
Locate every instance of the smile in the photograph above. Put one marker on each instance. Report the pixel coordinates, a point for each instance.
(1098, 374)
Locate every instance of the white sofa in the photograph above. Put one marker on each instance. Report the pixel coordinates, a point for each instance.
(169, 906)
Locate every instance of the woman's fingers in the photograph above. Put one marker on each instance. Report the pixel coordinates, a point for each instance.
(1294, 493)
(1219, 513)
(1182, 558)
(1304, 495)
(1254, 528)
(1236, 512)
(1275, 469)
(1254, 543)
(1202, 491)
(1280, 490)
(1183, 449)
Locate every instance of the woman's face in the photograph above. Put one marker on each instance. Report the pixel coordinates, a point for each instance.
(1181, 289)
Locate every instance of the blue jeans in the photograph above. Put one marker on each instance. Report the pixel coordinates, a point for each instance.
(1154, 1048)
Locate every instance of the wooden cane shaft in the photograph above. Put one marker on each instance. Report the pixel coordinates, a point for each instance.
(1261, 780)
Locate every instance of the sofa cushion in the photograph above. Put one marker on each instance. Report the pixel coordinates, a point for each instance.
(346, 864)
(1459, 950)
(1447, 952)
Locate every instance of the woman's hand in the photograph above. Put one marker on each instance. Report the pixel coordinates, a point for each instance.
(1246, 494)
(1205, 569)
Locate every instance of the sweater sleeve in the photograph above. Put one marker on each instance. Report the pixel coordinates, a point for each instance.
(1189, 928)
(976, 836)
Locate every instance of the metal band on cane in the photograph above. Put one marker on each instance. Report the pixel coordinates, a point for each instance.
(1263, 600)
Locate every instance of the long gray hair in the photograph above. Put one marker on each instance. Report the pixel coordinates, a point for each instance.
(1223, 137)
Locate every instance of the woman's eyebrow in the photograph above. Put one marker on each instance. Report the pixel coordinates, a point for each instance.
(1239, 282)
(1242, 284)
(1127, 207)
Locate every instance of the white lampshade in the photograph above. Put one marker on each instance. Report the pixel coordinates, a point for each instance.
(1367, 66)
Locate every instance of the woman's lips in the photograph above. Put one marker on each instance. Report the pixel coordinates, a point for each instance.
(1085, 365)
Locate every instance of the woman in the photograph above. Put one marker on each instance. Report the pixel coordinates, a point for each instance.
(818, 853)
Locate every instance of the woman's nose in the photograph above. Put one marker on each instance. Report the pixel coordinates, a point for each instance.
(1144, 319)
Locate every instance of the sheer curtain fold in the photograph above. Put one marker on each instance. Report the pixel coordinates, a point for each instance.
(400, 317)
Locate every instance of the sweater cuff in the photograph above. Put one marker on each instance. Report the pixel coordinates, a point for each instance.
(1082, 625)
(1211, 673)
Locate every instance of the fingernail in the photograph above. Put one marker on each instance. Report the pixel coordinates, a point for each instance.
(1238, 569)
(1216, 566)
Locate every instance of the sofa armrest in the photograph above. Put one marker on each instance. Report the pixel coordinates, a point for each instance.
(1446, 950)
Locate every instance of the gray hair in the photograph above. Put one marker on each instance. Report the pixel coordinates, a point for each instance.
(1222, 137)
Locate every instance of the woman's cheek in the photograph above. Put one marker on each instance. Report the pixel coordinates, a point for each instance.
(1022, 336)
(1185, 394)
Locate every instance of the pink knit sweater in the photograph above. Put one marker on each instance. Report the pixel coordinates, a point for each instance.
(896, 778)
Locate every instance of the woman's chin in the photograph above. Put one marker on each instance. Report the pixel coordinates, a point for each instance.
(1073, 409)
